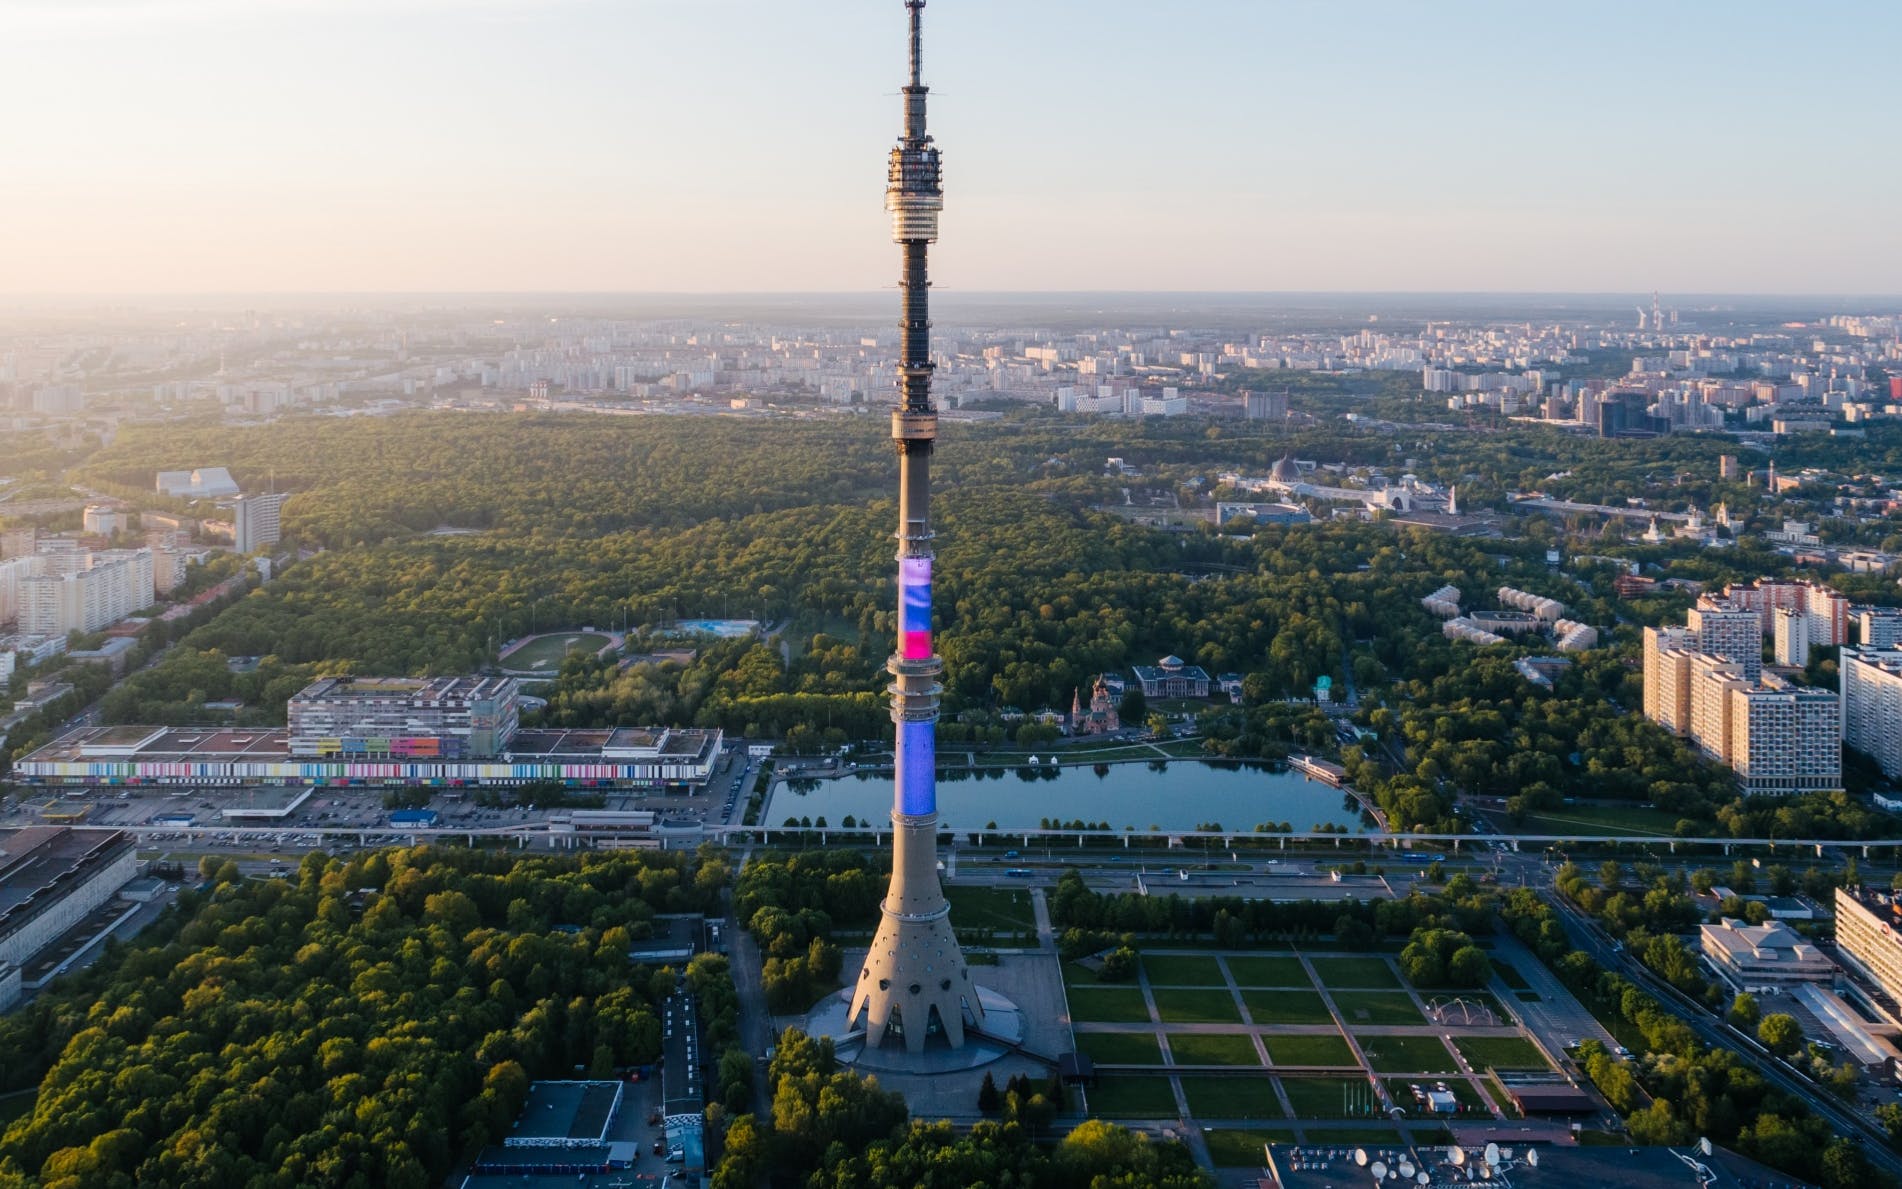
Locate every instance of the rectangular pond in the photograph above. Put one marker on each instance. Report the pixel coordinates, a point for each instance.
(1172, 795)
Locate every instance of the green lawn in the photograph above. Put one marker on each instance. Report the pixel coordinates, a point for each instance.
(1108, 1005)
(1361, 972)
(1501, 1099)
(1076, 975)
(1601, 819)
(1286, 1007)
(1268, 972)
(1377, 1007)
(545, 653)
(1511, 976)
(1407, 1054)
(1005, 910)
(1133, 1097)
(1309, 1050)
(1360, 1137)
(1232, 1148)
(1195, 1005)
(1331, 1098)
(1120, 1048)
(1182, 970)
(1232, 1098)
(1225, 1048)
(1500, 1052)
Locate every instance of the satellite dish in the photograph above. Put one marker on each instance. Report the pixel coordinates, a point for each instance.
(1406, 1167)
(1422, 1177)
(1703, 1145)
(1505, 1153)
(1532, 1157)
(1379, 1170)
(1492, 1153)
(1360, 1157)
(1457, 1154)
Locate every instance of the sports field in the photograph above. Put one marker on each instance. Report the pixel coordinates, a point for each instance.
(543, 654)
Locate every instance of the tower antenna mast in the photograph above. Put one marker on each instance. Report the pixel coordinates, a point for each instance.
(914, 984)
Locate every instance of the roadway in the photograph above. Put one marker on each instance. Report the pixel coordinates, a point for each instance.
(1365, 845)
(1586, 935)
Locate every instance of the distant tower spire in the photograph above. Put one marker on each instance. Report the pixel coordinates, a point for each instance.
(915, 984)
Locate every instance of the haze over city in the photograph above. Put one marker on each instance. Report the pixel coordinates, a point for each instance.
(711, 594)
(653, 145)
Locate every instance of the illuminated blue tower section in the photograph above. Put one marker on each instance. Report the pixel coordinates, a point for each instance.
(914, 983)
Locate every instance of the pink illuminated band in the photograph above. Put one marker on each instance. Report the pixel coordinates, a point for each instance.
(914, 608)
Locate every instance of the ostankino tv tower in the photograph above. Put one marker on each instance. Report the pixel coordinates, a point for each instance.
(914, 982)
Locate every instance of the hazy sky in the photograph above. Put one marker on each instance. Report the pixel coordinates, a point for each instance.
(719, 145)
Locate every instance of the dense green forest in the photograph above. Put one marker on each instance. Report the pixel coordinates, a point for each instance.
(831, 1128)
(366, 1023)
(1042, 582)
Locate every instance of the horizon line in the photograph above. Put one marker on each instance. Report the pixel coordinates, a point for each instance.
(110, 294)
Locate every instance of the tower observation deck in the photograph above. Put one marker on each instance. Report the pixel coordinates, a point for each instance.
(914, 984)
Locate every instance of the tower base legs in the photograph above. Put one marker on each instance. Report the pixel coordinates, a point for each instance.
(914, 985)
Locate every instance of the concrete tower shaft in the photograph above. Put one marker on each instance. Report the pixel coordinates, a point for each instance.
(914, 983)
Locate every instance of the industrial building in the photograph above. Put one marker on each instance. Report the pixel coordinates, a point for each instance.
(682, 1080)
(51, 878)
(567, 1115)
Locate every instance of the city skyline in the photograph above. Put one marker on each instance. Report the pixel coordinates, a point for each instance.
(506, 146)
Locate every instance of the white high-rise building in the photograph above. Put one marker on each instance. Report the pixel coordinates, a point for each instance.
(1785, 738)
(1667, 678)
(257, 521)
(13, 571)
(1777, 737)
(1735, 633)
(1880, 627)
(106, 588)
(1792, 637)
(1872, 705)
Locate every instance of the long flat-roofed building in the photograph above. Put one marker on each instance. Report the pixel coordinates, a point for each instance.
(50, 878)
(567, 1115)
(626, 757)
